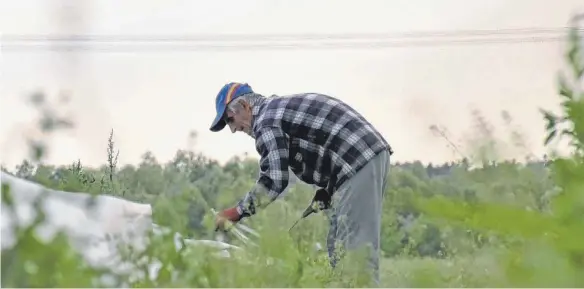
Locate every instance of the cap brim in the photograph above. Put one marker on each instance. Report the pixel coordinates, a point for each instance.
(218, 123)
(219, 126)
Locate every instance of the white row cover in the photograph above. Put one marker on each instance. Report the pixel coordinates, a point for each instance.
(88, 227)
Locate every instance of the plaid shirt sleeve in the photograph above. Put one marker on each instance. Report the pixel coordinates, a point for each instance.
(272, 145)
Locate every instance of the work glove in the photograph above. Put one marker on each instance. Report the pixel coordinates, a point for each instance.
(320, 201)
(227, 218)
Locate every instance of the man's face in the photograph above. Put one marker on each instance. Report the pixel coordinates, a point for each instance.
(240, 120)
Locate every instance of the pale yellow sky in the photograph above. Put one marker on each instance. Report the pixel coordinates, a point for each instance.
(152, 100)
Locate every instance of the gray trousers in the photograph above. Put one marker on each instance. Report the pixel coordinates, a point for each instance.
(355, 217)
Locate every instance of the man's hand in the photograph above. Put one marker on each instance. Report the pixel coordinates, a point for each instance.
(225, 219)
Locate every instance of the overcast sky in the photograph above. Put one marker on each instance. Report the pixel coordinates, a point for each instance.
(153, 100)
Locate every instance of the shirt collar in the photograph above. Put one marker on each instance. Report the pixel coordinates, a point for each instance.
(256, 110)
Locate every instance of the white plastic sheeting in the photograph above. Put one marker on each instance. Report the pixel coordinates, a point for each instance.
(89, 228)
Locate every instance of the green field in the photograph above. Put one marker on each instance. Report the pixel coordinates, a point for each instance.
(427, 272)
(476, 222)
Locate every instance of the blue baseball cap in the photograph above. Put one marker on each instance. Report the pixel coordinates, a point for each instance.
(228, 93)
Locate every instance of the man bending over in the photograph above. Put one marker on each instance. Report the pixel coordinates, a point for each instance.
(324, 142)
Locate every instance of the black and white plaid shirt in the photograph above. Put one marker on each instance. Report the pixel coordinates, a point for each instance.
(323, 141)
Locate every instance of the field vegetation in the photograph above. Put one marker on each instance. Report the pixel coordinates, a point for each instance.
(476, 222)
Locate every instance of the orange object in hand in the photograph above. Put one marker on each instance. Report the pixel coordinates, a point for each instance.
(226, 216)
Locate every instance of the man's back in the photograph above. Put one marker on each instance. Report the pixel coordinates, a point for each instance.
(328, 141)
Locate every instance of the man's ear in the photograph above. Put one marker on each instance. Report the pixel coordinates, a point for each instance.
(245, 105)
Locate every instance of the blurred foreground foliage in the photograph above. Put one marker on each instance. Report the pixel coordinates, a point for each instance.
(460, 224)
